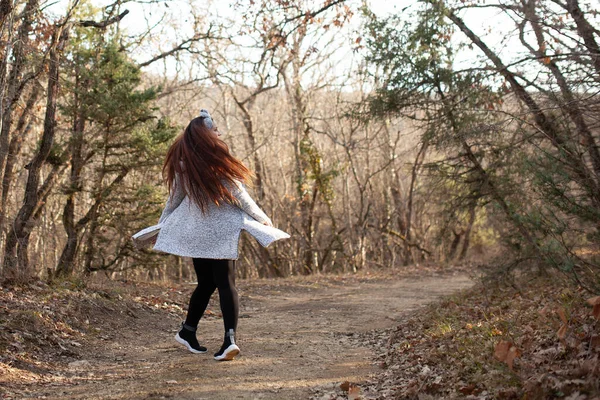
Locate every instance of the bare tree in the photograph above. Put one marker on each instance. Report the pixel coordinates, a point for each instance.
(17, 241)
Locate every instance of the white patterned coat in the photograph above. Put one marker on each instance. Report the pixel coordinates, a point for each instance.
(186, 231)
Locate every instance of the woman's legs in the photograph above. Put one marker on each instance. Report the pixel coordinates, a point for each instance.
(198, 302)
(213, 274)
(224, 278)
(201, 296)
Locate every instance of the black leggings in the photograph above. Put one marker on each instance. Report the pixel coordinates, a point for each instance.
(214, 274)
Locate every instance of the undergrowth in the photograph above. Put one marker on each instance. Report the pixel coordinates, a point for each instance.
(45, 327)
(532, 340)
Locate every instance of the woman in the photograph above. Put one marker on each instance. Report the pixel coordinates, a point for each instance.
(208, 207)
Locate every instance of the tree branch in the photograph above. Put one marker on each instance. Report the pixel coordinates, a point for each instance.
(185, 45)
(105, 23)
(545, 124)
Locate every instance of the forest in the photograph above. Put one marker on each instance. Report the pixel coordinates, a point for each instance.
(378, 140)
(436, 163)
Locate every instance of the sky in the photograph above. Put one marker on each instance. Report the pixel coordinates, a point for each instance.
(142, 14)
(488, 23)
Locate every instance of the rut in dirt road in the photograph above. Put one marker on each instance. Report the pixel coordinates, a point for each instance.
(293, 334)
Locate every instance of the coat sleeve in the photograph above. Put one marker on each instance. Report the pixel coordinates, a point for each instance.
(246, 203)
(173, 201)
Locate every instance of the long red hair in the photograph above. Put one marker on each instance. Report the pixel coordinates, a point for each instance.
(204, 166)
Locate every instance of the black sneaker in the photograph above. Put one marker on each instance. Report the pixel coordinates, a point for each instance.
(188, 338)
(229, 349)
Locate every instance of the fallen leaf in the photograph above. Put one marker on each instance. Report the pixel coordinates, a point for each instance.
(562, 315)
(501, 350)
(354, 393)
(506, 352)
(467, 390)
(562, 332)
(595, 302)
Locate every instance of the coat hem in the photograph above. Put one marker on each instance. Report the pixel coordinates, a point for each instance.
(208, 256)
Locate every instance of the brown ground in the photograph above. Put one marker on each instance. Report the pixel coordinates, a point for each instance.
(300, 338)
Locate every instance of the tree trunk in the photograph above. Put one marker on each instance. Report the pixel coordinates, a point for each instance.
(16, 82)
(22, 129)
(249, 126)
(409, 209)
(65, 265)
(5, 9)
(467, 239)
(25, 219)
(301, 139)
(587, 32)
(454, 244)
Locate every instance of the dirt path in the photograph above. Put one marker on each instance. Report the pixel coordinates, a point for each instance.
(295, 335)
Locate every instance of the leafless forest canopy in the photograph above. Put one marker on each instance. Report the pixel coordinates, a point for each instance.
(378, 140)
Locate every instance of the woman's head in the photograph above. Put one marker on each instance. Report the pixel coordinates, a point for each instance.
(203, 164)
